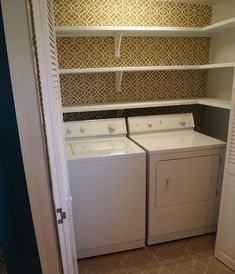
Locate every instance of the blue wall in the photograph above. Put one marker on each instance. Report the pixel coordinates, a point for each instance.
(17, 236)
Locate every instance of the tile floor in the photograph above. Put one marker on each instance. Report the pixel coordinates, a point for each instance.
(187, 256)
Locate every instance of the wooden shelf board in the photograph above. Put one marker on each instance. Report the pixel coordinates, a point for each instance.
(213, 102)
(126, 69)
(127, 31)
(220, 103)
(218, 65)
(146, 31)
(220, 26)
(145, 68)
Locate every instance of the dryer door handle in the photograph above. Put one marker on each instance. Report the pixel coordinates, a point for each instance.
(166, 184)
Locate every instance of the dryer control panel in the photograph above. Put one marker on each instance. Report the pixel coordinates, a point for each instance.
(95, 128)
(156, 123)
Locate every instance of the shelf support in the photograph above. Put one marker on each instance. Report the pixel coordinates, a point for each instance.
(117, 43)
(119, 80)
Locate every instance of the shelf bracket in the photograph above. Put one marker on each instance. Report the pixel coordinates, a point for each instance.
(119, 80)
(117, 43)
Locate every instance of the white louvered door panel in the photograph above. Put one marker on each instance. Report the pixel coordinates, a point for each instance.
(225, 241)
(48, 77)
(231, 164)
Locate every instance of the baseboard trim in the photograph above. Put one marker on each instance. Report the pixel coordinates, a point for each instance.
(109, 249)
(180, 235)
(220, 255)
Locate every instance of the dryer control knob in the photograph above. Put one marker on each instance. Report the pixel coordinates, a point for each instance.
(82, 129)
(149, 124)
(68, 131)
(112, 128)
(182, 123)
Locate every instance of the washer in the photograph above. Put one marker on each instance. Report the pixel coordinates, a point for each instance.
(107, 174)
(184, 175)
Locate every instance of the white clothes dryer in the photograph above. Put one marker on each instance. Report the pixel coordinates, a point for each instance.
(107, 174)
(184, 175)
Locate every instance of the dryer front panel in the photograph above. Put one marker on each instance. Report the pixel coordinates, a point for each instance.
(187, 180)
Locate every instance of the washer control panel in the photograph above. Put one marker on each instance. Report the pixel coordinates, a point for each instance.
(157, 123)
(95, 128)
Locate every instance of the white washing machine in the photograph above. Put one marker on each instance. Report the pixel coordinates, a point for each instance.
(107, 174)
(184, 175)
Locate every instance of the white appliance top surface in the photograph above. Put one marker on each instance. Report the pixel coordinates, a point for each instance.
(95, 128)
(176, 140)
(102, 147)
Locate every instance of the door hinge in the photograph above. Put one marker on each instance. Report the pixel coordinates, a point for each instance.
(62, 215)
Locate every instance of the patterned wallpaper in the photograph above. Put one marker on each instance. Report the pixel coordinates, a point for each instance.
(130, 13)
(82, 52)
(136, 86)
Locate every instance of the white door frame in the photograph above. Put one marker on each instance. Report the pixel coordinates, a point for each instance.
(31, 132)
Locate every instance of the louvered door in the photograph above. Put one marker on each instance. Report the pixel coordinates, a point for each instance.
(225, 242)
(49, 87)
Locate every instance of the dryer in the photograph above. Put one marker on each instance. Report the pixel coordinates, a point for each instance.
(107, 175)
(184, 175)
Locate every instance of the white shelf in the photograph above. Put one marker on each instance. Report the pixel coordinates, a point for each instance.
(212, 102)
(127, 31)
(225, 104)
(145, 68)
(126, 69)
(218, 65)
(220, 26)
(119, 70)
(146, 31)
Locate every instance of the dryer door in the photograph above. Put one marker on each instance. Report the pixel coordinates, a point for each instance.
(187, 180)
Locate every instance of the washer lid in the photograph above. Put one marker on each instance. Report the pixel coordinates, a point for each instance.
(176, 140)
(102, 147)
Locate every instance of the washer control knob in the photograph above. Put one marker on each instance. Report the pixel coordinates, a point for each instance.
(111, 128)
(68, 131)
(149, 124)
(182, 123)
(82, 129)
